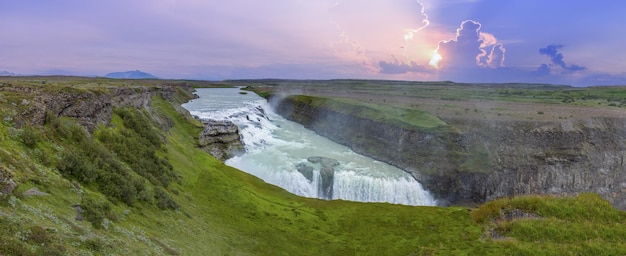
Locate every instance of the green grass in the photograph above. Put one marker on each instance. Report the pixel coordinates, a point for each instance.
(449, 91)
(581, 225)
(403, 117)
(224, 211)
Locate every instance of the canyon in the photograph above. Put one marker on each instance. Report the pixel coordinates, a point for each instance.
(471, 159)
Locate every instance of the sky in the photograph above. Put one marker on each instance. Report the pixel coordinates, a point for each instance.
(578, 43)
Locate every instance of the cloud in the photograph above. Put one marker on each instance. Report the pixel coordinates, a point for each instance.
(396, 67)
(557, 61)
(410, 32)
(471, 47)
(371, 31)
(496, 57)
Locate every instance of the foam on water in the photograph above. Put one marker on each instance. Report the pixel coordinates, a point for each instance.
(275, 146)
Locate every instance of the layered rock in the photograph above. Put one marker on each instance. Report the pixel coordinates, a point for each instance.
(473, 161)
(221, 139)
(88, 107)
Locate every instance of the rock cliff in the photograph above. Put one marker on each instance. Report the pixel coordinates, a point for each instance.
(327, 174)
(89, 107)
(470, 162)
(221, 139)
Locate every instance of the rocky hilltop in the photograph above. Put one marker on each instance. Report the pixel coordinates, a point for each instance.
(88, 107)
(471, 161)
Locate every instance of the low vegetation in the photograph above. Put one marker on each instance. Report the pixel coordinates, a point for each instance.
(134, 188)
(403, 117)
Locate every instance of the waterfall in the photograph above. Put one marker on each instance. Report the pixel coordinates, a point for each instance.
(290, 156)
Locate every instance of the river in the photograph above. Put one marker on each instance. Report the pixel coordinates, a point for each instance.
(276, 149)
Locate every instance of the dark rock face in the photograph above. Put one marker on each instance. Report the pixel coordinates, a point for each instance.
(474, 161)
(221, 139)
(327, 174)
(306, 170)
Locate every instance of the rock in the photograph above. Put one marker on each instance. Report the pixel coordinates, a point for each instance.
(324, 161)
(34, 192)
(517, 214)
(327, 173)
(221, 139)
(7, 185)
(79, 212)
(88, 107)
(306, 170)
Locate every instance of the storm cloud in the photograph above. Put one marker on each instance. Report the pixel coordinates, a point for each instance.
(471, 47)
(556, 59)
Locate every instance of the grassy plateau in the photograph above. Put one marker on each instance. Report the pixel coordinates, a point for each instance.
(147, 190)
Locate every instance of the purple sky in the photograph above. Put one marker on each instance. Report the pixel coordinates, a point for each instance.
(556, 41)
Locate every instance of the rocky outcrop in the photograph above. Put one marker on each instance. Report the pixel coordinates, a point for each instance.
(470, 162)
(89, 107)
(221, 139)
(327, 174)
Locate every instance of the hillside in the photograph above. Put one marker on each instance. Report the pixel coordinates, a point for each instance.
(124, 153)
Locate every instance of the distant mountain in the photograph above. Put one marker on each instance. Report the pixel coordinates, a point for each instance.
(7, 73)
(131, 75)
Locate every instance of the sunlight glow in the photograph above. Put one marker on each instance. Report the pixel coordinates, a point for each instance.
(434, 60)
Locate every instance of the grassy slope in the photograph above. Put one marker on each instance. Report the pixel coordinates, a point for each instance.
(403, 117)
(224, 211)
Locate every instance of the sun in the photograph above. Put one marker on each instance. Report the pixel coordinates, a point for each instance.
(434, 60)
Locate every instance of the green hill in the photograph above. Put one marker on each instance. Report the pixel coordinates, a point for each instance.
(145, 189)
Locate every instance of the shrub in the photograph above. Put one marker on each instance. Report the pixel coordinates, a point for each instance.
(30, 136)
(38, 235)
(12, 247)
(164, 201)
(95, 244)
(75, 165)
(95, 211)
(137, 146)
(100, 161)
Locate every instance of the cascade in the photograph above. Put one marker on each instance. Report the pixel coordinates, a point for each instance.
(290, 156)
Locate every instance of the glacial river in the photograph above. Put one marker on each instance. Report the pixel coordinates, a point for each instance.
(276, 149)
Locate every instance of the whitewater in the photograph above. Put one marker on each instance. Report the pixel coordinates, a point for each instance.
(276, 149)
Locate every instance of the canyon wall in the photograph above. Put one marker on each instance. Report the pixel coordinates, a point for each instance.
(471, 161)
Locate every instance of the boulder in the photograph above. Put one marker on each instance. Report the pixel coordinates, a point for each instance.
(327, 173)
(221, 139)
(306, 170)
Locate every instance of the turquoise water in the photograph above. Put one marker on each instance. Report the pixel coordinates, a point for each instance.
(276, 146)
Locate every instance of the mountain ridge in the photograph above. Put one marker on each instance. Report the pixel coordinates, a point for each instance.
(133, 74)
(6, 73)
